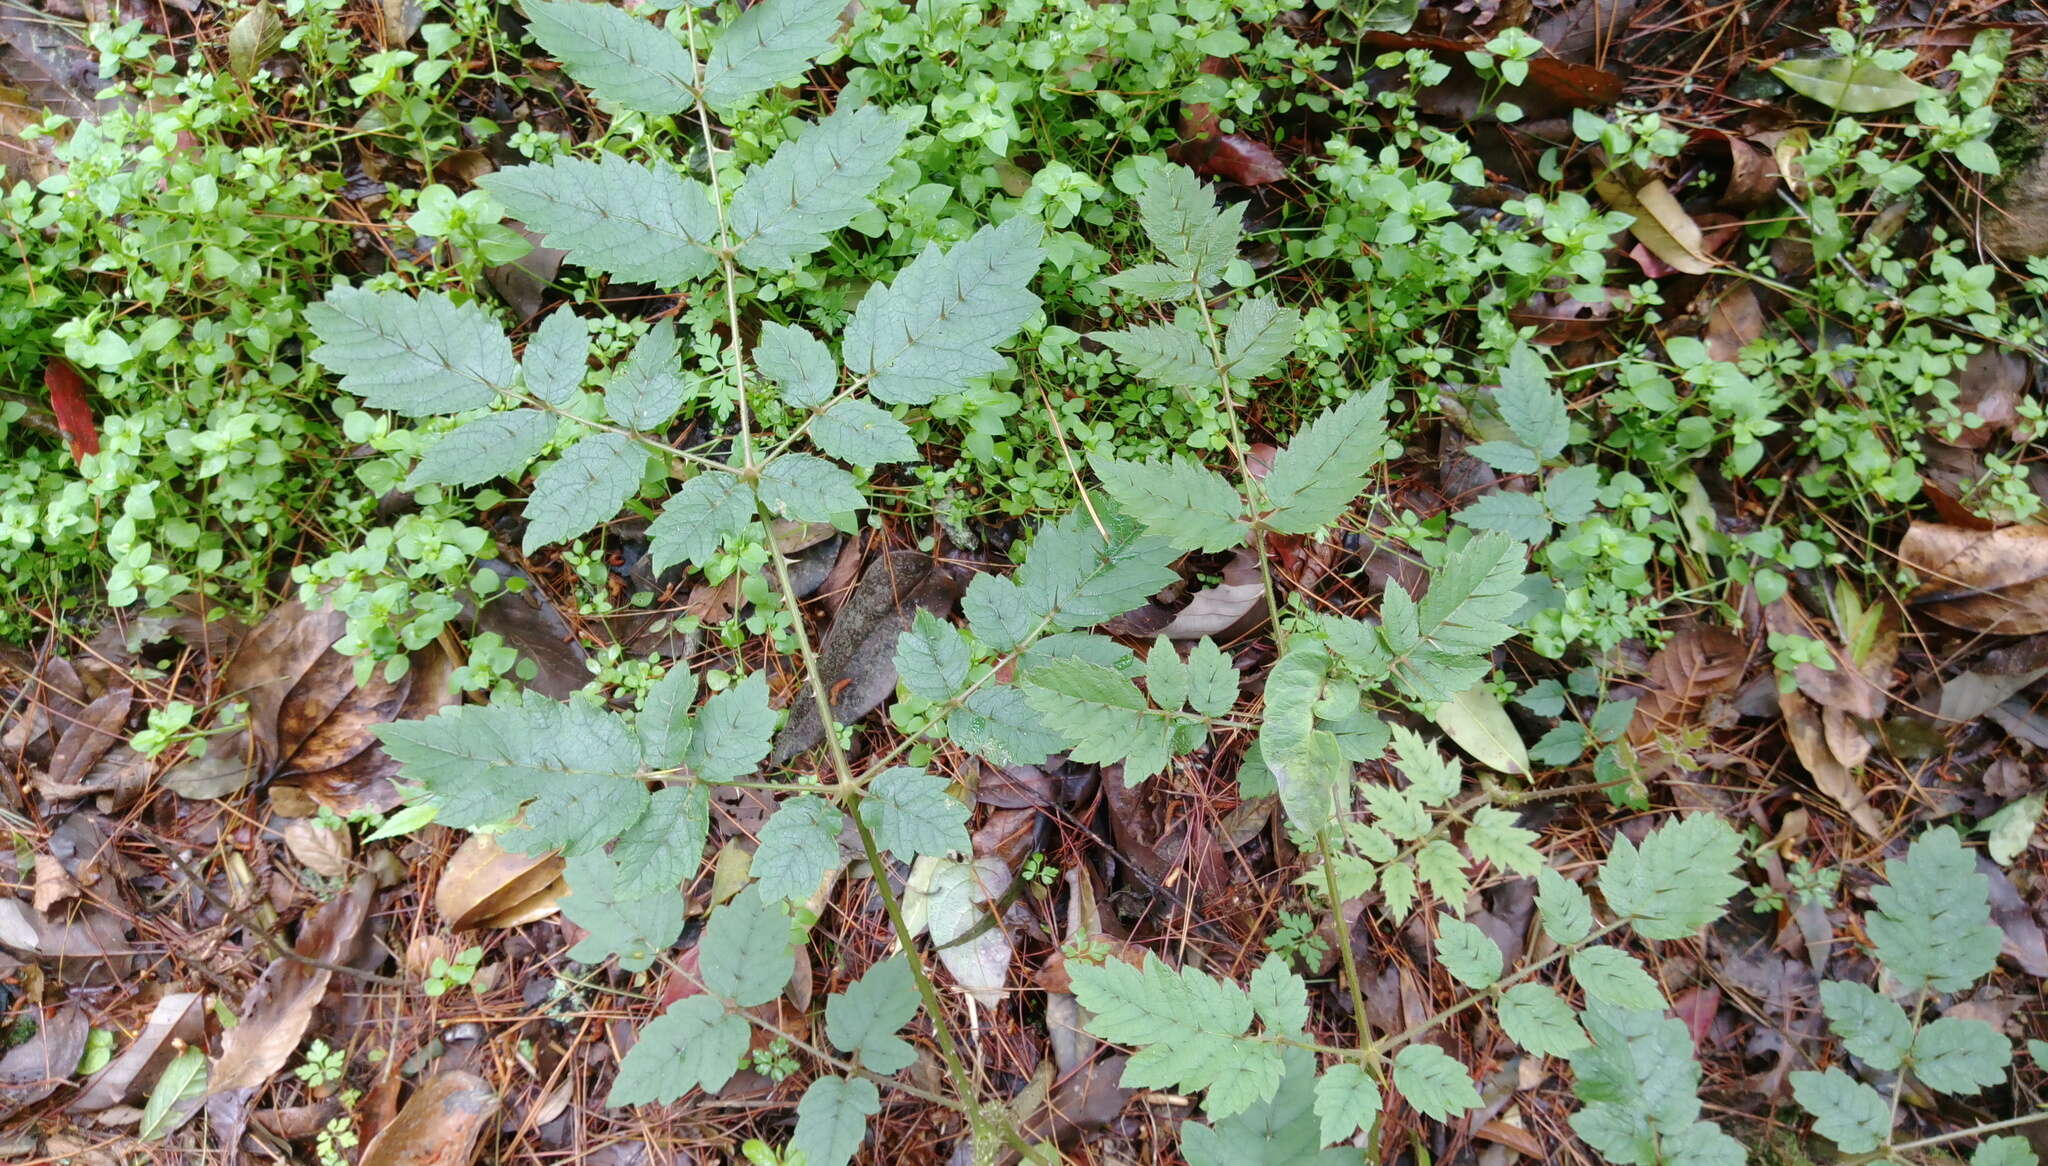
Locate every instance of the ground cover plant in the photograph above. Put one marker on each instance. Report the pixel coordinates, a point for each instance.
(805, 583)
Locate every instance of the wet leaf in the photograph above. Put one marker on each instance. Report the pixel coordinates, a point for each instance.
(178, 1017)
(1993, 581)
(73, 411)
(97, 729)
(175, 1097)
(1849, 84)
(33, 1069)
(438, 1126)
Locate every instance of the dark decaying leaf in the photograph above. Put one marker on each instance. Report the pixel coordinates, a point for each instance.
(438, 1126)
(1859, 687)
(1585, 32)
(1803, 728)
(1993, 581)
(98, 728)
(178, 1017)
(1989, 390)
(858, 658)
(276, 1012)
(363, 780)
(529, 621)
(1694, 666)
(1552, 88)
(33, 1069)
(1233, 156)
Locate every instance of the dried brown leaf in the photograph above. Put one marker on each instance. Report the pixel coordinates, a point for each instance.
(85, 740)
(438, 1126)
(1993, 581)
(1229, 608)
(178, 1017)
(1661, 225)
(1692, 668)
(1833, 778)
(483, 883)
(33, 1069)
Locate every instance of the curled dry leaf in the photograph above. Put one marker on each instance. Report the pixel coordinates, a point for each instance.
(324, 850)
(438, 1126)
(1694, 667)
(1831, 776)
(1228, 609)
(1661, 225)
(1859, 683)
(486, 886)
(1993, 581)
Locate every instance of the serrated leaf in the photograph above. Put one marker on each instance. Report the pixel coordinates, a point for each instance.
(1259, 337)
(1615, 977)
(634, 928)
(1186, 1026)
(584, 487)
(1518, 516)
(733, 731)
(856, 431)
(1479, 724)
(808, 489)
(1279, 997)
(1072, 578)
(556, 357)
(746, 954)
(617, 56)
(667, 712)
(1871, 1026)
(416, 356)
(1493, 836)
(799, 364)
(1189, 505)
(864, 1019)
(998, 725)
(1957, 1055)
(1640, 1083)
(1537, 1018)
(1506, 456)
(637, 222)
(698, 518)
(1433, 1082)
(648, 387)
(1166, 676)
(1439, 864)
(1437, 648)
(772, 42)
(1099, 713)
(496, 445)
(1679, 882)
(1572, 493)
(911, 813)
(799, 847)
(1932, 928)
(1180, 218)
(832, 1119)
(937, 326)
(1165, 354)
(1849, 84)
(1281, 1132)
(662, 851)
(813, 185)
(1846, 1111)
(1212, 679)
(1533, 410)
(1564, 909)
(574, 769)
(1317, 476)
(2007, 1150)
(1346, 1101)
(1158, 282)
(932, 658)
(696, 1043)
(1467, 953)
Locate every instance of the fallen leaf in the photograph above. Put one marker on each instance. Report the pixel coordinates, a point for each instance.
(529, 621)
(351, 722)
(97, 729)
(176, 1095)
(1830, 775)
(1733, 321)
(254, 36)
(177, 1017)
(1695, 666)
(1993, 581)
(1988, 389)
(33, 1069)
(1861, 689)
(1223, 610)
(484, 885)
(1233, 156)
(74, 412)
(958, 898)
(324, 850)
(1476, 722)
(1849, 84)
(438, 1126)
(1661, 225)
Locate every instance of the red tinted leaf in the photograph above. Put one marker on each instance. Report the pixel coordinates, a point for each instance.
(1236, 157)
(74, 412)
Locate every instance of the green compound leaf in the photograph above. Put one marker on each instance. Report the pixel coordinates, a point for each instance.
(698, 518)
(637, 222)
(1280, 998)
(1282, 1132)
(1166, 675)
(636, 929)
(747, 954)
(932, 658)
(696, 1043)
(1346, 1101)
(648, 386)
(997, 724)
(574, 769)
(733, 731)
(1322, 471)
(864, 1019)
(1679, 882)
(416, 356)
(815, 184)
(808, 489)
(1165, 354)
(667, 716)
(937, 326)
(586, 486)
(1932, 928)
(1493, 836)
(1433, 1082)
(1072, 578)
(799, 847)
(832, 1119)
(557, 357)
(857, 431)
(1438, 647)
(1615, 977)
(1518, 516)
(1533, 410)
(1640, 1085)
(2004, 1151)
(1871, 1026)
(1181, 219)
(1564, 909)
(617, 56)
(1189, 505)
(772, 42)
(1537, 1018)
(1846, 1111)
(911, 814)
(662, 851)
(1955, 1055)
(496, 445)
(1187, 1028)
(1259, 338)
(1467, 953)
(1153, 281)
(1212, 679)
(799, 364)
